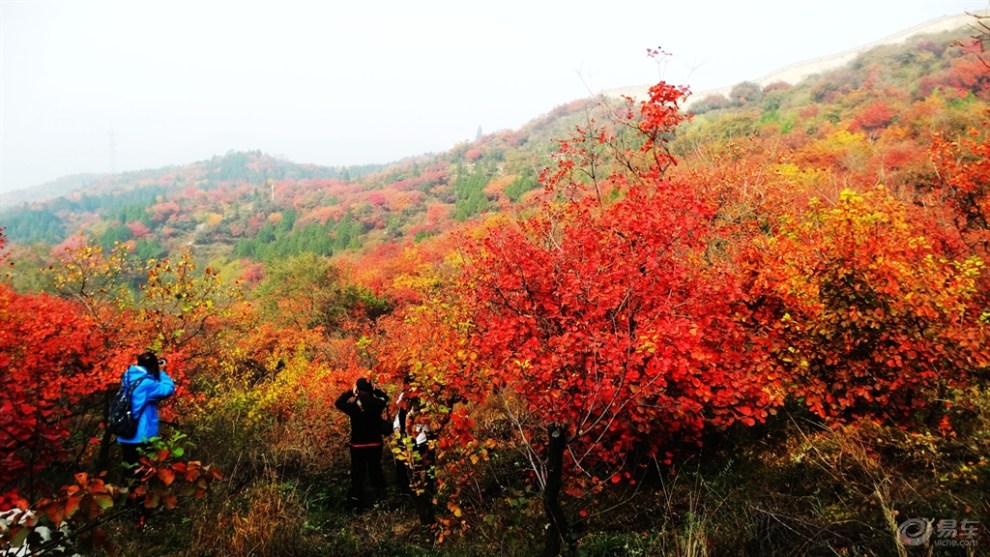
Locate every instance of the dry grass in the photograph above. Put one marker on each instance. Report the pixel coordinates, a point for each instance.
(267, 520)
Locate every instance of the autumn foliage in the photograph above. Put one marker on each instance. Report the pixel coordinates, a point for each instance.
(50, 355)
(61, 359)
(605, 316)
(865, 314)
(787, 294)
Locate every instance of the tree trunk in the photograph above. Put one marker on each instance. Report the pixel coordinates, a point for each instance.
(558, 528)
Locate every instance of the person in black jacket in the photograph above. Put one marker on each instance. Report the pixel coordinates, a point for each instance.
(364, 405)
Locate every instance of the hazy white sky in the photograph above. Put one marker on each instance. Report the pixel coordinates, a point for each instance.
(352, 82)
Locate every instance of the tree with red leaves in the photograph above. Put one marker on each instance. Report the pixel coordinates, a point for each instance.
(606, 331)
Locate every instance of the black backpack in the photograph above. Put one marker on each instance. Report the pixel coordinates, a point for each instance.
(121, 420)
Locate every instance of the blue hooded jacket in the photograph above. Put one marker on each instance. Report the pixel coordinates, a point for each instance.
(144, 401)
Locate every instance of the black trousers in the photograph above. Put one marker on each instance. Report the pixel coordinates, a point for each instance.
(130, 456)
(129, 461)
(366, 462)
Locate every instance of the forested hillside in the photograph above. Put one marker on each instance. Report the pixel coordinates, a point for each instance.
(756, 327)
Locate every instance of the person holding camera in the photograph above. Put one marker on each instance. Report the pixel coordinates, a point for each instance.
(149, 384)
(364, 405)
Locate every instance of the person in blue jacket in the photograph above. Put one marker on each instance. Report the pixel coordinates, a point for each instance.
(152, 386)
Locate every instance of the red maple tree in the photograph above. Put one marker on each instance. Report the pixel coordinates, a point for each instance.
(605, 328)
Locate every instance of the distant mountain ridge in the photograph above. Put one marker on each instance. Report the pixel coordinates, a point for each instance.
(251, 206)
(794, 73)
(49, 190)
(217, 168)
(791, 74)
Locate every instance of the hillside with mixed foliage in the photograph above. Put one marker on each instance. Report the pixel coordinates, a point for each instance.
(760, 326)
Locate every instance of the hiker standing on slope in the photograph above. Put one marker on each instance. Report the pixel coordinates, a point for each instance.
(364, 405)
(150, 386)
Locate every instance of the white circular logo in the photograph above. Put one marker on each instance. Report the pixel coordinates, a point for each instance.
(914, 531)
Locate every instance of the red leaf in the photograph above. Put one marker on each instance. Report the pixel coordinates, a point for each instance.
(166, 475)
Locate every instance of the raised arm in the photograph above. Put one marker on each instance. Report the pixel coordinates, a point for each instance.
(345, 404)
(163, 388)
